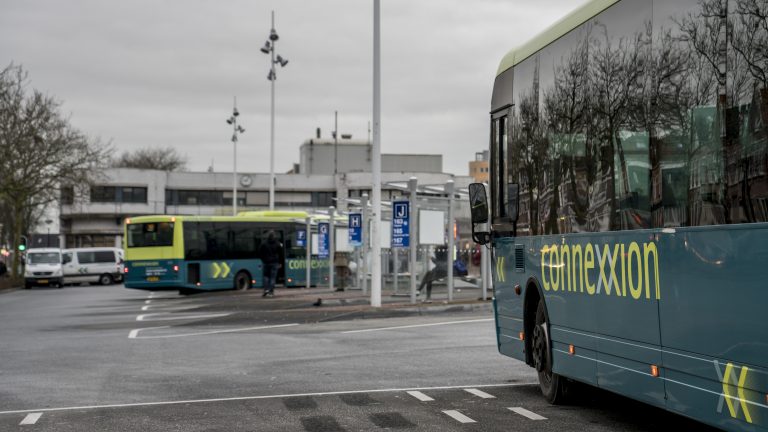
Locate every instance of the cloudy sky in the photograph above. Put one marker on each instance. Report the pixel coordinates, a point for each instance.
(144, 73)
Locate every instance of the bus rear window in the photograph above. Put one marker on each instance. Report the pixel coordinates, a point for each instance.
(150, 234)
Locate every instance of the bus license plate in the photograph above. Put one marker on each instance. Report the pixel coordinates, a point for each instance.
(153, 279)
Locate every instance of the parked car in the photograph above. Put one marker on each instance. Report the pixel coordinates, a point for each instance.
(101, 265)
(43, 267)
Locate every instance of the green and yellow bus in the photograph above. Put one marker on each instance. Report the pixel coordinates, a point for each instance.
(215, 252)
(628, 210)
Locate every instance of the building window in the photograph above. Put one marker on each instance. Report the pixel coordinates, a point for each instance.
(67, 195)
(118, 194)
(133, 194)
(103, 194)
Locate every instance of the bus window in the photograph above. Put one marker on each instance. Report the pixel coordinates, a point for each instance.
(150, 234)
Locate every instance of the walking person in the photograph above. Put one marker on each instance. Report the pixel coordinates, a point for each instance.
(269, 252)
(438, 271)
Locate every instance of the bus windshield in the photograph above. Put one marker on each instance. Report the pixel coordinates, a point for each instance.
(150, 234)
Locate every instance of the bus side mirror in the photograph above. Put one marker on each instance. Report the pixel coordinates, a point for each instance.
(478, 204)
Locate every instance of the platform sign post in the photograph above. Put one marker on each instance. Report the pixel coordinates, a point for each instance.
(355, 229)
(400, 224)
(323, 246)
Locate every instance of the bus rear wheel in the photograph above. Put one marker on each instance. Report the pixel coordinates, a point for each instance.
(554, 387)
(242, 281)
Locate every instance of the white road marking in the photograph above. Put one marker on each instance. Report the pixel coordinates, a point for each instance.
(31, 418)
(144, 308)
(147, 301)
(480, 393)
(176, 317)
(134, 333)
(419, 325)
(459, 417)
(525, 413)
(420, 396)
(242, 398)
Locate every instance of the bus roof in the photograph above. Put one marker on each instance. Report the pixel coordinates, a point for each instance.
(569, 22)
(251, 216)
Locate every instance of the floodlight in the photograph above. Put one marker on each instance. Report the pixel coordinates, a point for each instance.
(265, 49)
(273, 35)
(282, 61)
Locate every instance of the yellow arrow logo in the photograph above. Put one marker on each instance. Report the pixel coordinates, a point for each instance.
(216, 270)
(220, 270)
(500, 276)
(225, 268)
(736, 402)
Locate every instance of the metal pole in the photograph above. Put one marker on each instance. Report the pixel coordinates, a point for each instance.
(449, 191)
(412, 184)
(308, 240)
(396, 268)
(484, 270)
(335, 142)
(376, 160)
(331, 245)
(366, 243)
(272, 126)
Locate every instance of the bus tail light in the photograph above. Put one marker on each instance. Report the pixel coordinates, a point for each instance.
(522, 336)
(571, 350)
(198, 284)
(654, 371)
(290, 280)
(253, 281)
(125, 270)
(176, 268)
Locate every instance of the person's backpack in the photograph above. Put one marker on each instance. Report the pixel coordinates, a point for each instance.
(459, 268)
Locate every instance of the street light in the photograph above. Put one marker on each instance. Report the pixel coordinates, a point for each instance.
(48, 222)
(236, 129)
(269, 48)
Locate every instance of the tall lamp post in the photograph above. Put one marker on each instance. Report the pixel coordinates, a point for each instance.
(236, 129)
(269, 48)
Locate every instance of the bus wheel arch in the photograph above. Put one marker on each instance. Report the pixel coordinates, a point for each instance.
(538, 346)
(242, 280)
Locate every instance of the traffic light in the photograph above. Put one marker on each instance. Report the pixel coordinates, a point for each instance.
(23, 244)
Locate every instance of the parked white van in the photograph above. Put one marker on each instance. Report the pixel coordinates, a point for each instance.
(43, 267)
(94, 265)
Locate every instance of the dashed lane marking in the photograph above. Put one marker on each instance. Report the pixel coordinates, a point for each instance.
(243, 398)
(459, 417)
(525, 413)
(31, 418)
(151, 317)
(420, 396)
(480, 393)
(419, 325)
(134, 334)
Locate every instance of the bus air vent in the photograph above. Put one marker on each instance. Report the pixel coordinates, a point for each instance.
(519, 259)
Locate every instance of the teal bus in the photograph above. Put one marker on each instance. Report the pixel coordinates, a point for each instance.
(203, 253)
(628, 206)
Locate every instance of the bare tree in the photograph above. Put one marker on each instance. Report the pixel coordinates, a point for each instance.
(39, 152)
(164, 159)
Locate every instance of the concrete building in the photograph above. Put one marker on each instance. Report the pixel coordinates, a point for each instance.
(479, 169)
(329, 173)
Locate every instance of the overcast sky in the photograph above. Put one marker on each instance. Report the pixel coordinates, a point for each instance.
(164, 73)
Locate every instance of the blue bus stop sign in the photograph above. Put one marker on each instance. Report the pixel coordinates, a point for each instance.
(323, 241)
(301, 238)
(400, 221)
(355, 229)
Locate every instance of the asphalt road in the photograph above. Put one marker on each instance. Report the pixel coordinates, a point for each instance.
(109, 358)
